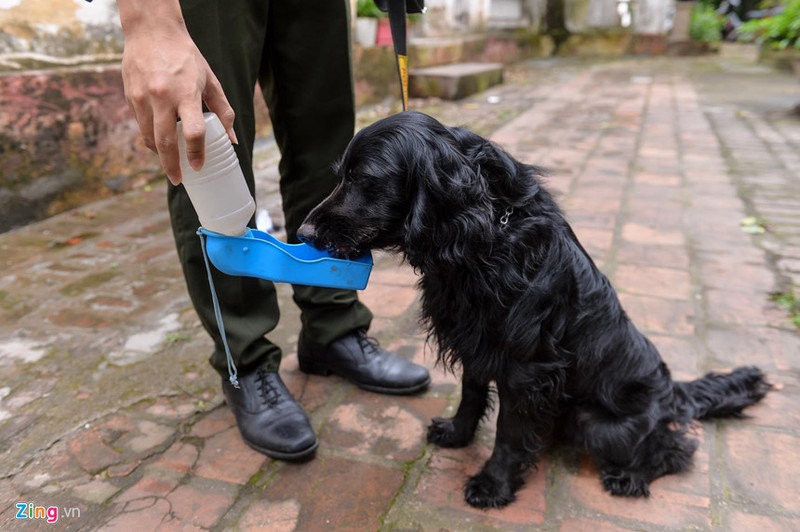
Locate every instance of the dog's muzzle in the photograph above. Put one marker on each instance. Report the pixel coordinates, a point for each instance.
(306, 234)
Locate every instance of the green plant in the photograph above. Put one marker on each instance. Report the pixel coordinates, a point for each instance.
(705, 24)
(790, 303)
(779, 31)
(175, 337)
(368, 9)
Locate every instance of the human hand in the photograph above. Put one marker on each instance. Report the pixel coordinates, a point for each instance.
(165, 79)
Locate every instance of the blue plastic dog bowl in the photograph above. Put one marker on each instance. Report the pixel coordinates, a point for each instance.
(259, 254)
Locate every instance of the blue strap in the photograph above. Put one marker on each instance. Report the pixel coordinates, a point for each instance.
(232, 374)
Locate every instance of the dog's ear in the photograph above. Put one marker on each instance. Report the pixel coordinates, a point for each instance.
(450, 213)
(508, 180)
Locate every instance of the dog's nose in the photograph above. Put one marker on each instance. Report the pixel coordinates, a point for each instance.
(306, 233)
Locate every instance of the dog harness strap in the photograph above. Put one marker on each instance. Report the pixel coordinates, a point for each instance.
(232, 373)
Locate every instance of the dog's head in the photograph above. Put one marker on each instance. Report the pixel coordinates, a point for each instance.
(411, 184)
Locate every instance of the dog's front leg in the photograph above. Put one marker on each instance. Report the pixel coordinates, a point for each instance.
(516, 448)
(458, 431)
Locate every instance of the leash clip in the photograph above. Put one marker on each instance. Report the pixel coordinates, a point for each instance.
(506, 216)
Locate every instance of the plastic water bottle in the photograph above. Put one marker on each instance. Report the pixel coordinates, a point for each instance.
(218, 190)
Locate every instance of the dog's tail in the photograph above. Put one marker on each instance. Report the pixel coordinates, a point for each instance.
(723, 394)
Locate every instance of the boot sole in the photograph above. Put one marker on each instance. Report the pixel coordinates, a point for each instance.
(299, 456)
(314, 368)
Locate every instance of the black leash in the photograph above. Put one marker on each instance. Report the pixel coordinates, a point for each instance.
(397, 10)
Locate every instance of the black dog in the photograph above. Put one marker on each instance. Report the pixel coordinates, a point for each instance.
(510, 295)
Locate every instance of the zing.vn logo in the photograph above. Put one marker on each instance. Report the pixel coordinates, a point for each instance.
(27, 510)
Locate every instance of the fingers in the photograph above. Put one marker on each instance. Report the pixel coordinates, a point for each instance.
(165, 131)
(144, 117)
(138, 103)
(194, 131)
(164, 84)
(217, 103)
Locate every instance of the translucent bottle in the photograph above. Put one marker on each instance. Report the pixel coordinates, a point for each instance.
(218, 190)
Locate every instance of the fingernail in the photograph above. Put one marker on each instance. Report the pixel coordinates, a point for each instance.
(196, 164)
(232, 135)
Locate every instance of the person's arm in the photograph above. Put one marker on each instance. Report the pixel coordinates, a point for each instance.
(165, 79)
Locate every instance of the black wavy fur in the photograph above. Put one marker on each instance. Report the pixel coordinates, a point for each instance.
(511, 296)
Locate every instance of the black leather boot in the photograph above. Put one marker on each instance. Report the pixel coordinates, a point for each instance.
(359, 359)
(270, 420)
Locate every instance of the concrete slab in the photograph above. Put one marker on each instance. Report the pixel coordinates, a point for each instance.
(454, 81)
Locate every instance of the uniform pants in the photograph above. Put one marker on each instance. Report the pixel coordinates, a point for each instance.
(299, 52)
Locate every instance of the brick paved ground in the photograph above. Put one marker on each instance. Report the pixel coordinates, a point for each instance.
(107, 405)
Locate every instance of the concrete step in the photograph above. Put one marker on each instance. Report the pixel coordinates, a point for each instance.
(454, 81)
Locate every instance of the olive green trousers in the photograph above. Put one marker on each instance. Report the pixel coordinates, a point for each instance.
(299, 53)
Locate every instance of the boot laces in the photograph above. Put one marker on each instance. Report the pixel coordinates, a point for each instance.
(270, 394)
(368, 344)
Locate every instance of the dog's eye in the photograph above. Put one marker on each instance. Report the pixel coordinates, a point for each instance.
(358, 172)
(354, 177)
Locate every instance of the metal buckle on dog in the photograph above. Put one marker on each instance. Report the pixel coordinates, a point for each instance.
(506, 216)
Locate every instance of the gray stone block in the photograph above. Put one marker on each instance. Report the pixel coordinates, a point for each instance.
(454, 81)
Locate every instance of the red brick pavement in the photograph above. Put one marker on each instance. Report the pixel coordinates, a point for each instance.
(107, 405)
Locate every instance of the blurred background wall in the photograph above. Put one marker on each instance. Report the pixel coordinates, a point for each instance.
(68, 138)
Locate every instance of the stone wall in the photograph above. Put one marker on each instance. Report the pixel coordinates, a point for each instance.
(66, 134)
(66, 138)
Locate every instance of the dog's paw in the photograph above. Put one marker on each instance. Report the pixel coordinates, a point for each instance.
(625, 483)
(485, 491)
(444, 432)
